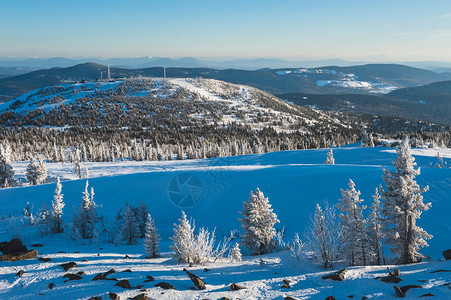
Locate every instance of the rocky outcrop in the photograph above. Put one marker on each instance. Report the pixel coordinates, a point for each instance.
(447, 254)
(12, 247)
(124, 284)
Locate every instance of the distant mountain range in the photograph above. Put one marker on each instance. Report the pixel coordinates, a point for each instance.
(377, 89)
(364, 79)
(431, 103)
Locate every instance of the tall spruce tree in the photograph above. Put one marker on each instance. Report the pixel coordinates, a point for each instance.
(57, 209)
(130, 230)
(402, 206)
(355, 242)
(375, 234)
(258, 224)
(84, 222)
(151, 238)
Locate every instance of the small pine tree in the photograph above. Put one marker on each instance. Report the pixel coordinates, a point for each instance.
(57, 209)
(129, 230)
(258, 224)
(375, 234)
(151, 238)
(235, 254)
(36, 172)
(141, 215)
(85, 221)
(330, 158)
(6, 169)
(86, 173)
(77, 165)
(183, 239)
(402, 206)
(353, 226)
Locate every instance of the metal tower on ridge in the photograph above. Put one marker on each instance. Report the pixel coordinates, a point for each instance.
(109, 74)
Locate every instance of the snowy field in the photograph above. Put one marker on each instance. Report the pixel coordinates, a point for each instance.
(212, 192)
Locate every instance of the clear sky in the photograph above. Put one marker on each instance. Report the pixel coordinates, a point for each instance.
(291, 29)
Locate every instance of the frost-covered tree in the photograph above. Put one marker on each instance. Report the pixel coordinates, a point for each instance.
(85, 221)
(353, 226)
(86, 173)
(77, 165)
(375, 234)
(258, 224)
(6, 169)
(141, 216)
(36, 172)
(402, 206)
(29, 219)
(330, 158)
(130, 230)
(43, 214)
(151, 238)
(56, 225)
(183, 239)
(323, 236)
(235, 253)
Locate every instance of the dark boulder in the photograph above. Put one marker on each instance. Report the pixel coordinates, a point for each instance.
(165, 285)
(140, 297)
(447, 254)
(71, 276)
(124, 284)
(37, 245)
(51, 285)
(111, 271)
(12, 247)
(236, 287)
(68, 266)
(44, 259)
(427, 295)
(398, 291)
(99, 276)
(286, 284)
(330, 298)
(149, 278)
(113, 296)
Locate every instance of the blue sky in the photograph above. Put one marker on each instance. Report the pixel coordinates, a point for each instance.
(375, 30)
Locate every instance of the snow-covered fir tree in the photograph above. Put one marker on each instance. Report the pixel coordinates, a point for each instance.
(403, 206)
(183, 239)
(84, 222)
(77, 165)
(6, 169)
(235, 253)
(141, 216)
(151, 238)
(130, 230)
(330, 158)
(29, 219)
(353, 226)
(36, 172)
(86, 173)
(375, 234)
(323, 236)
(56, 224)
(258, 224)
(43, 214)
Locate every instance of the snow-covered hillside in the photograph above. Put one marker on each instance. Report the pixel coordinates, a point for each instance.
(205, 101)
(294, 181)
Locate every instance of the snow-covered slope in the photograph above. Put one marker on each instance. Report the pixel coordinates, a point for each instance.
(293, 180)
(205, 101)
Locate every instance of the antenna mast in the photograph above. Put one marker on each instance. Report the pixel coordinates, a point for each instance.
(164, 72)
(109, 74)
